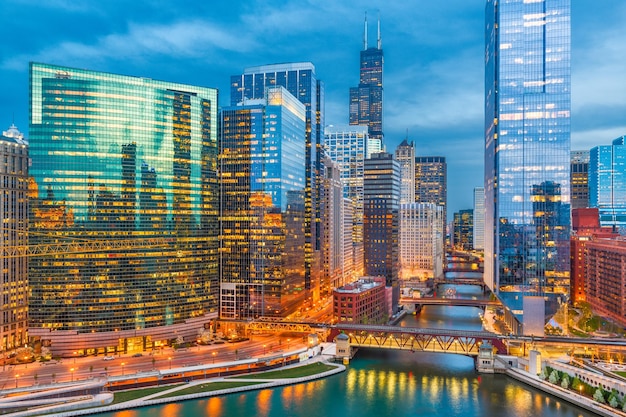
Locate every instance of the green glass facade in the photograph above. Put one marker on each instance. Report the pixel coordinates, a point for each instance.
(124, 205)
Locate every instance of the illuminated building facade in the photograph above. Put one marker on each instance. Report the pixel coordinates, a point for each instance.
(579, 179)
(346, 146)
(527, 156)
(14, 235)
(421, 245)
(361, 302)
(262, 177)
(125, 206)
(431, 184)
(366, 100)
(607, 182)
(380, 220)
(463, 235)
(606, 279)
(405, 155)
(479, 219)
(300, 80)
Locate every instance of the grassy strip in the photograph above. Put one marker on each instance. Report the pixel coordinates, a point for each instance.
(296, 372)
(620, 373)
(208, 387)
(123, 396)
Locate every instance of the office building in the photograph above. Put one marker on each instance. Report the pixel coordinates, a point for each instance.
(579, 179)
(431, 186)
(346, 146)
(263, 180)
(334, 261)
(13, 240)
(301, 81)
(381, 190)
(479, 219)
(361, 302)
(607, 182)
(366, 100)
(606, 279)
(405, 155)
(420, 242)
(463, 233)
(125, 207)
(585, 228)
(527, 158)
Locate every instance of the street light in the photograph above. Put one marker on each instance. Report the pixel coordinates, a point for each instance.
(170, 359)
(72, 371)
(123, 368)
(288, 340)
(214, 354)
(75, 353)
(16, 376)
(264, 349)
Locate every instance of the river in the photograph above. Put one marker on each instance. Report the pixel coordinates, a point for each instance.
(389, 383)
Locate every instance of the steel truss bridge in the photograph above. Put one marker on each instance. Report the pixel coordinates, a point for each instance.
(458, 302)
(417, 339)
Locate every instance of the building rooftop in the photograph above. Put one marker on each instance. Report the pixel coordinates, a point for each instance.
(361, 285)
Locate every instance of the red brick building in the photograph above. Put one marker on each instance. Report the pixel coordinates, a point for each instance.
(586, 227)
(362, 301)
(606, 278)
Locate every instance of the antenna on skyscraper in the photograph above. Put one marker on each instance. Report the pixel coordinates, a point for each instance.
(365, 34)
(380, 41)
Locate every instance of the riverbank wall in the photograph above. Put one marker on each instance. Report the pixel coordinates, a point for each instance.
(567, 395)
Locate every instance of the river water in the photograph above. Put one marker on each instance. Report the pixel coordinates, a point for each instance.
(389, 383)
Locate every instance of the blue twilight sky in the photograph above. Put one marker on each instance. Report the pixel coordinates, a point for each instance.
(433, 74)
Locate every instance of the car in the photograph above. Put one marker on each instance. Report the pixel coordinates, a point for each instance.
(137, 355)
(108, 358)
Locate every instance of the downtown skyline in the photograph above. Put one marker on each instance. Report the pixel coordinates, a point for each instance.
(433, 68)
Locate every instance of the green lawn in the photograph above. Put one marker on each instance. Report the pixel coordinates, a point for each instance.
(296, 372)
(620, 373)
(123, 396)
(207, 387)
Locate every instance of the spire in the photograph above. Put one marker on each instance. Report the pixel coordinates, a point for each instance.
(380, 41)
(365, 34)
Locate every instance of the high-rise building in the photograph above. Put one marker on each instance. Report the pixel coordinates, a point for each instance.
(124, 180)
(380, 220)
(607, 182)
(579, 169)
(420, 242)
(301, 81)
(463, 234)
(346, 146)
(431, 184)
(527, 158)
(405, 155)
(366, 100)
(263, 180)
(13, 239)
(334, 272)
(606, 279)
(479, 218)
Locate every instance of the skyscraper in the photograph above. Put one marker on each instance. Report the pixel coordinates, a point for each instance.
(380, 220)
(527, 157)
(14, 238)
(346, 146)
(579, 179)
(463, 234)
(479, 219)
(262, 172)
(607, 182)
(431, 185)
(420, 242)
(124, 204)
(300, 80)
(366, 100)
(405, 155)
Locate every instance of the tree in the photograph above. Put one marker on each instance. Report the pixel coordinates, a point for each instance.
(565, 381)
(599, 395)
(613, 401)
(554, 377)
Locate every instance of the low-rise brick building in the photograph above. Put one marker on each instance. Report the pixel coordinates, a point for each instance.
(362, 301)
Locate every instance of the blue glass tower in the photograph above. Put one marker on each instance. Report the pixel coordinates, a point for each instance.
(607, 182)
(262, 171)
(527, 156)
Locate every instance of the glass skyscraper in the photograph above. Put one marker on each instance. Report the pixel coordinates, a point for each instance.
(607, 182)
(300, 80)
(366, 100)
(527, 157)
(124, 209)
(263, 180)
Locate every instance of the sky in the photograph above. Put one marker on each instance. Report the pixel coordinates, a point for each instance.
(433, 68)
